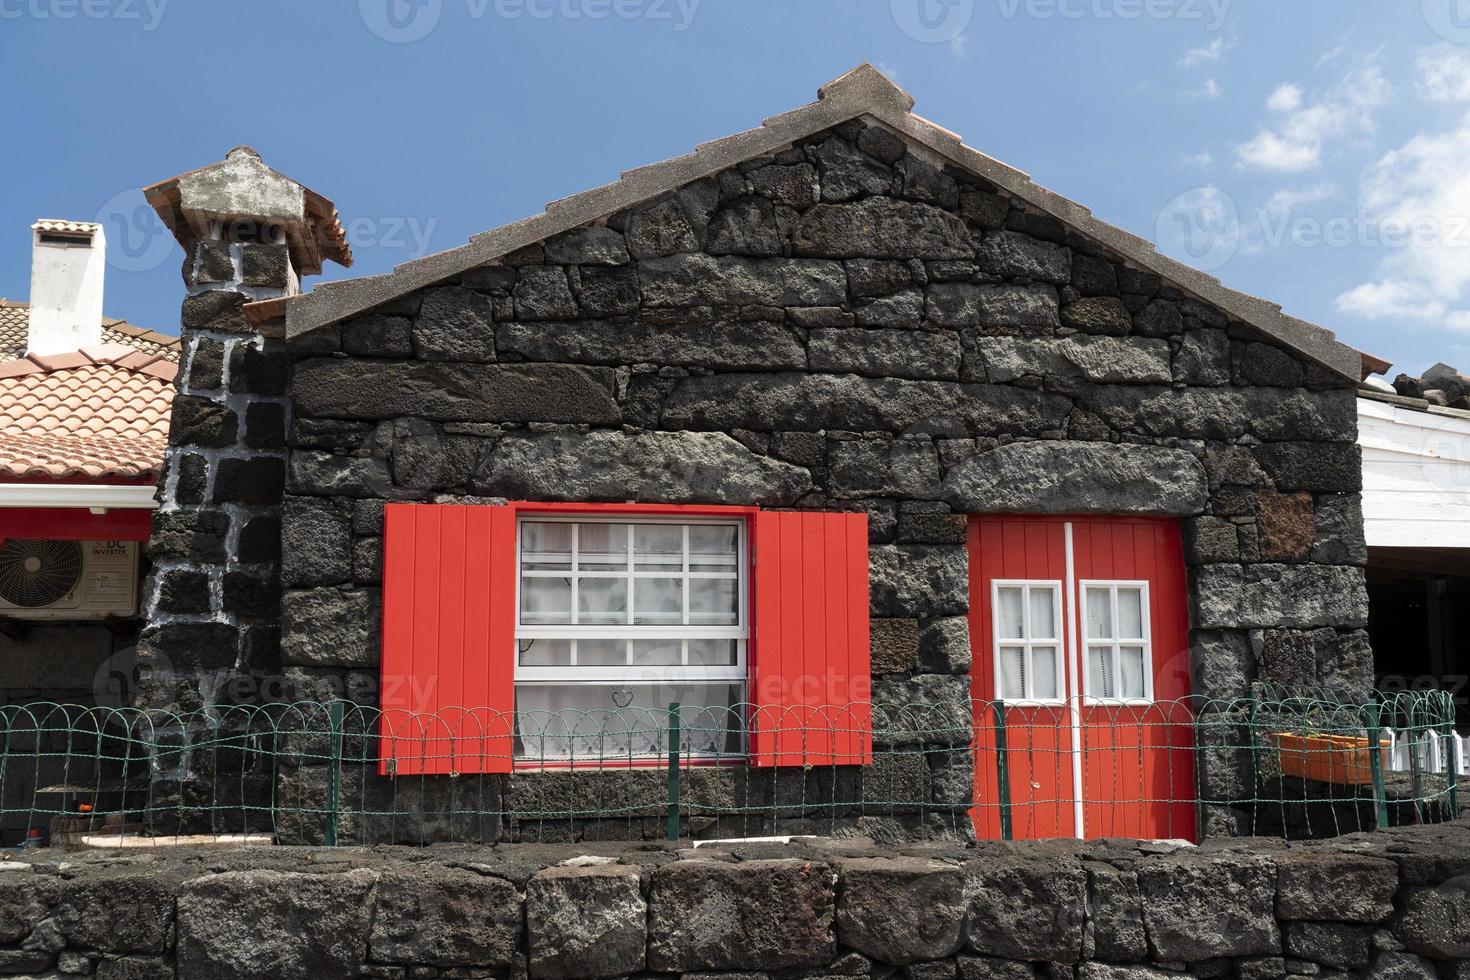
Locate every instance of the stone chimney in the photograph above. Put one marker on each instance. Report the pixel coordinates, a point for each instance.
(68, 260)
(212, 601)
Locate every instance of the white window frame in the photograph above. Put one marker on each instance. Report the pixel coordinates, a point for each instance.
(639, 674)
(1115, 642)
(1057, 642)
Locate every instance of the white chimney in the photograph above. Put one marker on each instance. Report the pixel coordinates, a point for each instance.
(68, 259)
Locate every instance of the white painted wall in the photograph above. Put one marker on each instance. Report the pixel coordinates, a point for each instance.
(1416, 476)
(66, 291)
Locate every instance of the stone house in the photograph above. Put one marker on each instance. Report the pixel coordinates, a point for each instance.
(824, 418)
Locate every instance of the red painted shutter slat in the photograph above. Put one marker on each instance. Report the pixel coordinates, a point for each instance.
(810, 652)
(448, 661)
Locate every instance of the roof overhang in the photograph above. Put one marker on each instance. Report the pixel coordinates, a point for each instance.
(863, 92)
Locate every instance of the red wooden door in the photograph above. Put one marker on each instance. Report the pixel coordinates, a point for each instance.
(1080, 627)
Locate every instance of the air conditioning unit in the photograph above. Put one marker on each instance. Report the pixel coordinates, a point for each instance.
(68, 579)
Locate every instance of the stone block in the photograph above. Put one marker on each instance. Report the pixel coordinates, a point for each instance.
(587, 246)
(1009, 255)
(124, 911)
(922, 709)
(756, 915)
(1341, 945)
(894, 644)
(880, 227)
(886, 353)
(543, 293)
(188, 646)
(944, 645)
(249, 595)
(265, 265)
(918, 580)
(455, 324)
(704, 280)
(652, 467)
(316, 542)
(183, 590)
(901, 911)
(445, 917)
(959, 304)
(379, 336)
(1062, 477)
(253, 480)
(731, 346)
(330, 627)
(259, 368)
(1199, 908)
(1337, 526)
(259, 541)
(1436, 920)
(884, 468)
(192, 535)
(352, 388)
(215, 309)
(204, 422)
(1330, 467)
(1284, 523)
(1271, 595)
(247, 924)
(585, 923)
(1115, 921)
(1031, 910)
(265, 425)
(785, 402)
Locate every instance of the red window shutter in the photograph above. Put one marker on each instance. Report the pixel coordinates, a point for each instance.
(812, 675)
(448, 661)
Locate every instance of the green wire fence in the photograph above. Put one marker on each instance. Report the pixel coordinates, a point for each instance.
(1294, 764)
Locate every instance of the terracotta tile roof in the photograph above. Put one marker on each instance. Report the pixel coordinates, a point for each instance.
(98, 412)
(15, 320)
(53, 224)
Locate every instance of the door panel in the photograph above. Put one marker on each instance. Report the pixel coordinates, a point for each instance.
(1135, 756)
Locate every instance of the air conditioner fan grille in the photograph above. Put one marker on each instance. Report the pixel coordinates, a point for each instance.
(39, 573)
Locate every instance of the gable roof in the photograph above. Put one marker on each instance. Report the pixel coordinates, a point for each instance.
(862, 92)
(98, 412)
(15, 319)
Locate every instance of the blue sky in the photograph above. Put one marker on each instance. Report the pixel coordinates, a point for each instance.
(1312, 152)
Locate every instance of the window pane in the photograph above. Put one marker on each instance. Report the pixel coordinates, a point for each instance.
(658, 547)
(1044, 681)
(1009, 624)
(713, 653)
(545, 653)
(658, 601)
(602, 653)
(546, 547)
(713, 602)
(600, 545)
(1043, 613)
(1130, 613)
(1130, 672)
(602, 600)
(592, 720)
(712, 547)
(546, 600)
(1099, 672)
(1012, 673)
(658, 653)
(1099, 614)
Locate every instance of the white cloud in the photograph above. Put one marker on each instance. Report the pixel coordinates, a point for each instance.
(1290, 198)
(892, 72)
(959, 46)
(1417, 197)
(1211, 52)
(1201, 159)
(1209, 90)
(1285, 98)
(1294, 140)
(1444, 74)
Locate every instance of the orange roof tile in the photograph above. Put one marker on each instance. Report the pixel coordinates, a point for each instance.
(98, 412)
(15, 321)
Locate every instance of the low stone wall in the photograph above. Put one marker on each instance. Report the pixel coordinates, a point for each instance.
(1392, 906)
